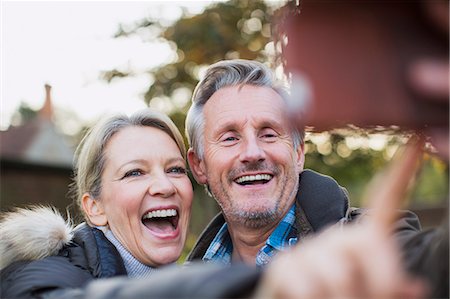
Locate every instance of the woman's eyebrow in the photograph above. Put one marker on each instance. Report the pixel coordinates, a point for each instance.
(176, 159)
(143, 161)
(136, 161)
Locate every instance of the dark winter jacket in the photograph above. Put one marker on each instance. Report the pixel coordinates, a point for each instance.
(78, 269)
(88, 256)
(74, 271)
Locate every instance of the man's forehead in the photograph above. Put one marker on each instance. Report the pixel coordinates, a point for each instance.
(261, 120)
(233, 98)
(233, 108)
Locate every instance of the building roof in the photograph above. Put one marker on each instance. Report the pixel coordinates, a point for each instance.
(37, 141)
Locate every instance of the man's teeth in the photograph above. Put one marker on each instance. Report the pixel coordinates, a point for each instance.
(160, 213)
(251, 178)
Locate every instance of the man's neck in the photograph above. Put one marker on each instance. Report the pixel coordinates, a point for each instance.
(248, 241)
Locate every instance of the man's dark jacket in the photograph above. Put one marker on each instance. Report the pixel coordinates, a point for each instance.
(320, 202)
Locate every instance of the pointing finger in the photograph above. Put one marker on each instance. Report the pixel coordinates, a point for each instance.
(387, 190)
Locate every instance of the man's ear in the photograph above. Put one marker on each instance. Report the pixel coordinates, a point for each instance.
(300, 157)
(94, 210)
(197, 167)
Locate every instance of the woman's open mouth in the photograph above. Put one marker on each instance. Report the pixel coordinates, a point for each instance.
(161, 221)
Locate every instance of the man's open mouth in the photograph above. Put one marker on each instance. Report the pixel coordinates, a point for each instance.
(253, 179)
(162, 221)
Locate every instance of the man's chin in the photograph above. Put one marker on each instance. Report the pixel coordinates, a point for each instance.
(255, 218)
(256, 223)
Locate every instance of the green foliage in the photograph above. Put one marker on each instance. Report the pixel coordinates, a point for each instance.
(23, 114)
(355, 167)
(233, 29)
(242, 29)
(431, 188)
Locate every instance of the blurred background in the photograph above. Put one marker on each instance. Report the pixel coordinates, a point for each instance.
(64, 64)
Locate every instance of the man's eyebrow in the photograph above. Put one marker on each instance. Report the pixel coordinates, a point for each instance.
(233, 125)
(271, 123)
(225, 126)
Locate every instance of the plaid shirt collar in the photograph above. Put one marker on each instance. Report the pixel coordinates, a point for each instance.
(221, 248)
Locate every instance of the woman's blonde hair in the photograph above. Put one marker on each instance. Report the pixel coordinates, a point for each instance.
(89, 161)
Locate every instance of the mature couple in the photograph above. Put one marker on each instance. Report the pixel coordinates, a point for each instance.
(132, 187)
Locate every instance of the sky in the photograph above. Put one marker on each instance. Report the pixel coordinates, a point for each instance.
(67, 44)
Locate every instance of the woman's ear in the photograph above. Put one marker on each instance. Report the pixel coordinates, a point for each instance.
(197, 167)
(94, 210)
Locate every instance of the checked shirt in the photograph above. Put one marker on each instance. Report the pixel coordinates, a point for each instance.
(285, 235)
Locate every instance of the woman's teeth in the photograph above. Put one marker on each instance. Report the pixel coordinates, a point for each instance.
(160, 213)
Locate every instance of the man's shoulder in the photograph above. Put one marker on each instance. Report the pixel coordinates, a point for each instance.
(323, 201)
(206, 237)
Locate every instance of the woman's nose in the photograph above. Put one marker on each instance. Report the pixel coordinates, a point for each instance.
(162, 186)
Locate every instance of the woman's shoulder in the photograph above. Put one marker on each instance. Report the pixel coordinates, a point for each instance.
(91, 250)
(32, 234)
(30, 278)
(40, 251)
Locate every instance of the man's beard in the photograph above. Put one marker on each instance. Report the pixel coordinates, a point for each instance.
(256, 219)
(251, 219)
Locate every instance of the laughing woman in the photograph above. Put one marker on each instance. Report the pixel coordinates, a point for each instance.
(132, 187)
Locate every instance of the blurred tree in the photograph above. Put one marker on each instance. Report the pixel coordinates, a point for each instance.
(23, 114)
(243, 29)
(233, 29)
(354, 156)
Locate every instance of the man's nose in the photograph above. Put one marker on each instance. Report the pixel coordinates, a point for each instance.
(252, 151)
(161, 185)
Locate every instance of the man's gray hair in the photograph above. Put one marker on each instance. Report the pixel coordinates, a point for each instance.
(229, 73)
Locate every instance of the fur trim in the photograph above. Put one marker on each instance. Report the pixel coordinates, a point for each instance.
(32, 234)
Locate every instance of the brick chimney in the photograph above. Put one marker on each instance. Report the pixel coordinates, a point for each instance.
(46, 111)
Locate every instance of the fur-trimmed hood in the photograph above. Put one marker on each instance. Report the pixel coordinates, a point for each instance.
(32, 233)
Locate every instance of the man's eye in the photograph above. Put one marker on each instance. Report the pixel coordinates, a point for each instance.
(132, 173)
(177, 170)
(268, 134)
(230, 138)
(269, 137)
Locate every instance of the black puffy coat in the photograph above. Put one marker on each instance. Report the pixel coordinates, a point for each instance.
(89, 256)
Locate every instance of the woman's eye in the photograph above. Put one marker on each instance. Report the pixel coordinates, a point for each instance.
(230, 139)
(132, 173)
(177, 170)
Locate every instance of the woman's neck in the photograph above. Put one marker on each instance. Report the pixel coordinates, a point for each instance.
(133, 266)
